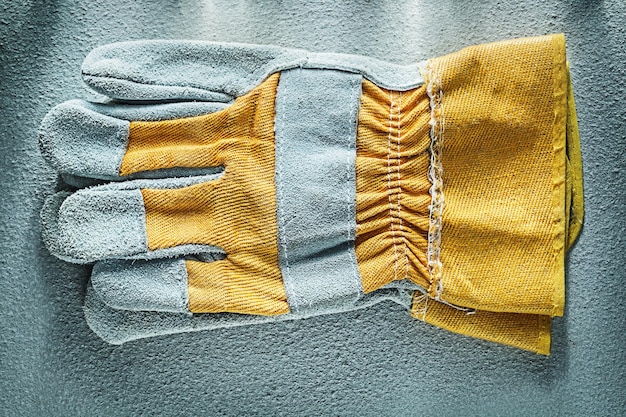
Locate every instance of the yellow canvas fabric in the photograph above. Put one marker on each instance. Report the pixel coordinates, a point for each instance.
(524, 331)
(236, 212)
(513, 190)
(503, 158)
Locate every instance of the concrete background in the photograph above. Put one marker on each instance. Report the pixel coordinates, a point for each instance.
(378, 362)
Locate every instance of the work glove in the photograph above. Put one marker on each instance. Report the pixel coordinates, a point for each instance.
(226, 184)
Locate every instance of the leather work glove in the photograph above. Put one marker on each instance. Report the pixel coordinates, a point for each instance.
(238, 184)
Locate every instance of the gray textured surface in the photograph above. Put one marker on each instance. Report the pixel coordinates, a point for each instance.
(377, 361)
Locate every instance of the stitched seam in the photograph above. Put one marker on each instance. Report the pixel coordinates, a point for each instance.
(389, 192)
(351, 232)
(435, 174)
(281, 200)
(402, 235)
(420, 312)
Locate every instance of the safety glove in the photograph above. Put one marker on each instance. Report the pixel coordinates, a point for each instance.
(239, 184)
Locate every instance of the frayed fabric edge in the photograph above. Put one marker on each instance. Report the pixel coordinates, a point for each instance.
(435, 176)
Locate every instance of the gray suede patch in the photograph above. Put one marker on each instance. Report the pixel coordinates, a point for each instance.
(97, 224)
(188, 70)
(384, 74)
(316, 119)
(77, 140)
(158, 285)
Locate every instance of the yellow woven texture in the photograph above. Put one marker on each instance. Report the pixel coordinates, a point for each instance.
(524, 331)
(509, 118)
(392, 186)
(504, 108)
(236, 212)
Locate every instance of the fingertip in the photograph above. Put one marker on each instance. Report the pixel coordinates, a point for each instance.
(153, 285)
(77, 140)
(97, 224)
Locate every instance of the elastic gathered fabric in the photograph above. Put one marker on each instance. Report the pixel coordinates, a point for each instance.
(392, 184)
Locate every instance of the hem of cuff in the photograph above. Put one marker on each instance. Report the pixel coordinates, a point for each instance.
(559, 183)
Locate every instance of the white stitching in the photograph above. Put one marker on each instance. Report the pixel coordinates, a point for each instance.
(420, 313)
(393, 235)
(279, 126)
(404, 241)
(435, 174)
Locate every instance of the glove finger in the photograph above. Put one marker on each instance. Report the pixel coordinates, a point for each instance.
(194, 70)
(118, 326)
(183, 70)
(156, 285)
(172, 285)
(124, 148)
(162, 284)
(109, 221)
(90, 140)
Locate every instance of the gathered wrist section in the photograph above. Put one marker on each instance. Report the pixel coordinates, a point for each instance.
(393, 200)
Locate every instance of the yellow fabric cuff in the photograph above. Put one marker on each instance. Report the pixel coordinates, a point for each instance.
(512, 188)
